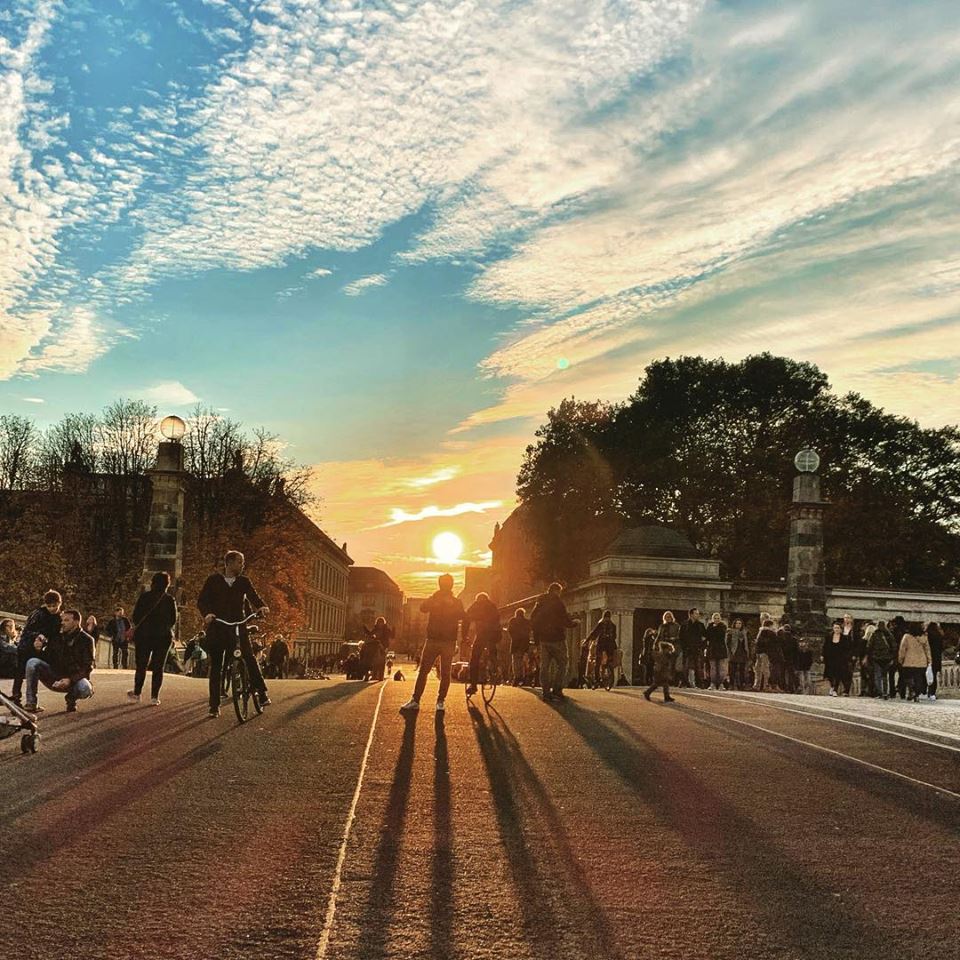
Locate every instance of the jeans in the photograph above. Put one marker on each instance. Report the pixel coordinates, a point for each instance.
(120, 651)
(762, 671)
(738, 674)
(39, 671)
(716, 673)
(479, 645)
(666, 691)
(516, 662)
(432, 650)
(692, 668)
(152, 650)
(803, 681)
(880, 679)
(553, 654)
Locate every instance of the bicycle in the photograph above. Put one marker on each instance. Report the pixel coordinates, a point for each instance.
(235, 682)
(490, 674)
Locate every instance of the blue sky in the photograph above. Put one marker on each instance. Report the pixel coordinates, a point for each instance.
(376, 227)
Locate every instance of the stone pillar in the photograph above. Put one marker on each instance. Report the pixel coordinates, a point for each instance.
(625, 636)
(806, 606)
(164, 543)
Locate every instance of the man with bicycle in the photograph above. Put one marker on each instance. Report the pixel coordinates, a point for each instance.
(229, 597)
(484, 613)
(605, 635)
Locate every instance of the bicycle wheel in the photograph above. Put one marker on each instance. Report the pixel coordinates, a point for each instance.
(490, 679)
(241, 689)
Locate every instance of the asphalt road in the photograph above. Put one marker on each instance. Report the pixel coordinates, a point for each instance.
(601, 827)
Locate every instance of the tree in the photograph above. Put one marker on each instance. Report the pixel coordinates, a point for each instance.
(707, 447)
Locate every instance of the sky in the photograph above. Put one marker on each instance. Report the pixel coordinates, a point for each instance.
(397, 233)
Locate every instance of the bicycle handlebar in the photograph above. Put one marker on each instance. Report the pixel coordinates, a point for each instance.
(238, 623)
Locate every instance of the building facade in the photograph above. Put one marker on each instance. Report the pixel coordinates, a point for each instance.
(371, 594)
(413, 631)
(326, 597)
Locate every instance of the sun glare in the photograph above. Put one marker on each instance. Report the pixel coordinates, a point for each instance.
(447, 547)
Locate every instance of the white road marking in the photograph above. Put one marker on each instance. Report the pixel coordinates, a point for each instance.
(324, 941)
(818, 714)
(835, 753)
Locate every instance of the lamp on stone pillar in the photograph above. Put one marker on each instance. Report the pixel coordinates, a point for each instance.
(806, 606)
(163, 549)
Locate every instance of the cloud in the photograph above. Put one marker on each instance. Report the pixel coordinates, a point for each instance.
(70, 345)
(356, 287)
(33, 400)
(398, 515)
(438, 476)
(170, 393)
(320, 272)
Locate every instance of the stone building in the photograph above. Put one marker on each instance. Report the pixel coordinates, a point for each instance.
(413, 630)
(371, 594)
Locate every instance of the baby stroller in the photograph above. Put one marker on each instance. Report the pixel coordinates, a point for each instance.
(19, 721)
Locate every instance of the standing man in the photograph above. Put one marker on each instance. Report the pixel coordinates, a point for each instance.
(43, 624)
(605, 636)
(62, 663)
(693, 638)
(483, 613)
(230, 596)
(117, 628)
(550, 621)
(446, 614)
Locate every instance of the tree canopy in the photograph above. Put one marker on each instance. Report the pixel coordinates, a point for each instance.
(707, 447)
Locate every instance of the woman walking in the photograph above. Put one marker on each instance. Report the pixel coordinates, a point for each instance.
(154, 618)
(663, 665)
(738, 653)
(836, 660)
(716, 651)
(935, 642)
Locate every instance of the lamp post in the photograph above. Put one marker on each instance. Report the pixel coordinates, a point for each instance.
(163, 549)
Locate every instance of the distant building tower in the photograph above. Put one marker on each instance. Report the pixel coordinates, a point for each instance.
(806, 605)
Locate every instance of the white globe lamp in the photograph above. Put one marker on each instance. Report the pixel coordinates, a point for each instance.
(172, 428)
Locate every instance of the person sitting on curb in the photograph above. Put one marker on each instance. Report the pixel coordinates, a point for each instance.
(66, 665)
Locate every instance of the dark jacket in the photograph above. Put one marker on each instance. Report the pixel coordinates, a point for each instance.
(605, 633)
(788, 645)
(484, 613)
(113, 634)
(935, 639)
(228, 602)
(670, 632)
(40, 623)
(155, 615)
(550, 620)
(836, 656)
(766, 642)
(519, 630)
(664, 657)
(804, 659)
(446, 612)
(716, 641)
(279, 651)
(71, 655)
(881, 647)
(738, 648)
(693, 637)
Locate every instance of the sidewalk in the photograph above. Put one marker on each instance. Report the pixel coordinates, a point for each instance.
(940, 718)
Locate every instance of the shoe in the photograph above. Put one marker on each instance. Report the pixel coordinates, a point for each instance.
(646, 695)
(471, 690)
(547, 696)
(669, 700)
(411, 705)
(131, 695)
(265, 701)
(833, 693)
(31, 707)
(711, 687)
(441, 706)
(559, 695)
(71, 708)
(214, 712)
(154, 701)
(932, 696)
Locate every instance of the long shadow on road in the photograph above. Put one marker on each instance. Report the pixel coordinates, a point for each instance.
(553, 891)
(800, 914)
(375, 925)
(442, 871)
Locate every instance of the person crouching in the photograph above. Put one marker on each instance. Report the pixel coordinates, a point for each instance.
(65, 664)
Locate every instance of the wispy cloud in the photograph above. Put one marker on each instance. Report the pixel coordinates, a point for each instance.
(399, 515)
(356, 287)
(438, 476)
(170, 393)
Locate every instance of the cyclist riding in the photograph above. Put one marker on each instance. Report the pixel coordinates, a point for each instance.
(484, 613)
(605, 634)
(229, 597)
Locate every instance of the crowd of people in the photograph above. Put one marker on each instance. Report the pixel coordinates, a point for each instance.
(56, 648)
(890, 658)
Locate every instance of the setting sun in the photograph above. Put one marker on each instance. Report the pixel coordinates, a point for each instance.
(447, 547)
